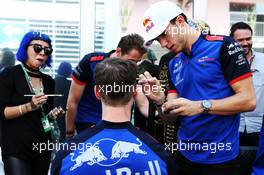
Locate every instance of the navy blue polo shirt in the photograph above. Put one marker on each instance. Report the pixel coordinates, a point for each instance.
(215, 63)
(113, 148)
(89, 107)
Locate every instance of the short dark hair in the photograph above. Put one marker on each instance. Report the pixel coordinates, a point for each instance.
(113, 73)
(132, 41)
(239, 25)
(8, 57)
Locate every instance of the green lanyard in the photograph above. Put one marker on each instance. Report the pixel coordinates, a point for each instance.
(30, 83)
(44, 119)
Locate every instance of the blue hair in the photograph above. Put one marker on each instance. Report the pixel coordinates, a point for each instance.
(28, 37)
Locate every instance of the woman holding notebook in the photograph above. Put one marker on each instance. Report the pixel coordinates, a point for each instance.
(25, 109)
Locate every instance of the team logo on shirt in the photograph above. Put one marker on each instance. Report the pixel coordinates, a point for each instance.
(123, 149)
(205, 59)
(91, 156)
(241, 60)
(232, 45)
(98, 154)
(234, 48)
(177, 72)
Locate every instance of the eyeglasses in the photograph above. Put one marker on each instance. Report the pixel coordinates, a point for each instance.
(38, 48)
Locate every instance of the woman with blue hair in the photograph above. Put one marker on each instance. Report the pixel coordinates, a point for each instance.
(25, 109)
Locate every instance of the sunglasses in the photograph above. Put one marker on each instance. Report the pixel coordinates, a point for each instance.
(38, 48)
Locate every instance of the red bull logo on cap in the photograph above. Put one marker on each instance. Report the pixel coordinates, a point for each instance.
(148, 24)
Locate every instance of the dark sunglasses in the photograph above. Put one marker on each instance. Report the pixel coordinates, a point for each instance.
(38, 48)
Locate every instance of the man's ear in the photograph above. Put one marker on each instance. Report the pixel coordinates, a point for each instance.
(97, 92)
(118, 52)
(180, 20)
(135, 91)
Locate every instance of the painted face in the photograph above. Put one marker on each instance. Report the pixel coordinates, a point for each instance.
(134, 55)
(37, 52)
(173, 38)
(244, 38)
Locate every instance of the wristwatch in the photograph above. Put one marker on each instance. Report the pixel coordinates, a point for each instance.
(206, 105)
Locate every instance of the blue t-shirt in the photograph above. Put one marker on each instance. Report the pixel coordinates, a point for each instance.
(89, 107)
(258, 167)
(113, 148)
(215, 63)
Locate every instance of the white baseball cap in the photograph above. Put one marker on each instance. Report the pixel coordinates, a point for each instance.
(157, 18)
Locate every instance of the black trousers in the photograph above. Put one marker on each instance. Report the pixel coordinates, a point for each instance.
(186, 167)
(36, 166)
(249, 139)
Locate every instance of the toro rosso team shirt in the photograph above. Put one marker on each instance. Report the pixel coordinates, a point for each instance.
(215, 63)
(111, 149)
(89, 107)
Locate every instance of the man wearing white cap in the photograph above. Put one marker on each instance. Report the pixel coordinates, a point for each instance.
(210, 84)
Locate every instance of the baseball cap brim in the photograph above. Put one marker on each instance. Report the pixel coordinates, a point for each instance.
(158, 15)
(154, 35)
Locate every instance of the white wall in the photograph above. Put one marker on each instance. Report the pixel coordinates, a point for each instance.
(200, 9)
(87, 27)
(31, 10)
(218, 16)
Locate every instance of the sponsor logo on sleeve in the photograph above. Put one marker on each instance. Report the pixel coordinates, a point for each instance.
(241, 60)
(77, 71)
(234, 48)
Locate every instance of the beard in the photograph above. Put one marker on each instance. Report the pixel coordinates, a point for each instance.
(247, 49)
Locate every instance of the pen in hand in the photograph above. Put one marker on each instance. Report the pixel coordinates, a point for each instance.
(49, 95)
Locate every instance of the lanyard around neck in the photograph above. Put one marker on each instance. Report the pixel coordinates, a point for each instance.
(30, 83)
(34, 89)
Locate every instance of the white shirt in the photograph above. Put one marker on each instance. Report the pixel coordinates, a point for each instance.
(253, 120)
